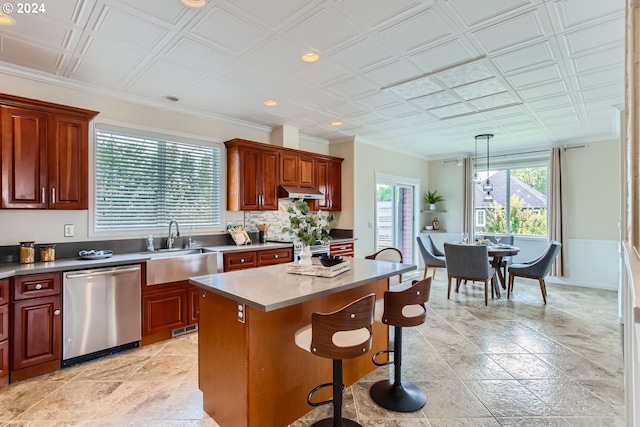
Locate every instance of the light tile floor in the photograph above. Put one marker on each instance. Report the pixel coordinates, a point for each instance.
(514, 363)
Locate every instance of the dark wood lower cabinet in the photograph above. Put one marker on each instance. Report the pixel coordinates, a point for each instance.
(167, 307)
(36, 340)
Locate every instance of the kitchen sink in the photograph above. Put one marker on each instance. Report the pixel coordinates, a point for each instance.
(174, 265)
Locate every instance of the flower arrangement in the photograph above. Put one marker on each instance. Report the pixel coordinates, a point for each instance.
(306, 226)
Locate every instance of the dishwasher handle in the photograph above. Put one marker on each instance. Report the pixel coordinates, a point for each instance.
(101, 272)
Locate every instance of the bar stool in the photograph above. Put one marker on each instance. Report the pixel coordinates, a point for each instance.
(401, 309)
(342, 334)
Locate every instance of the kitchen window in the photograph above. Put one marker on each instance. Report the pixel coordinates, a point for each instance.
(143, 182)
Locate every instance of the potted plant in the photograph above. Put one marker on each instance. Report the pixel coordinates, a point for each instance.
(307, 227)
(432, 198)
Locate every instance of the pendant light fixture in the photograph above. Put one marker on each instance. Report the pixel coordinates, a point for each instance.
(476, 176)
(487, 187)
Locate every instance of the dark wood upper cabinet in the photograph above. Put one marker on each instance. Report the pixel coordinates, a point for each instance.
(328, 174)
(256, 170)
(297, 170)
(45, 154)
(253, 176)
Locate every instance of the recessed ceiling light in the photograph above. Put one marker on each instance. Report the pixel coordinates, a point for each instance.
(172, 98)
(6, 20)
(270, 103)
(310, 57)
(336, 123)
(194, 3)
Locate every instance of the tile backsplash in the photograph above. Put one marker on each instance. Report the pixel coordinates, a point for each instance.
(277, 220)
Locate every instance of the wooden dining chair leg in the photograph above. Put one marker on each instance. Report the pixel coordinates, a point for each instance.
(486, 290)
(510, 285)
(449, 288)
(543, 289)
(458, 282)
(426, 267)
(433, 276)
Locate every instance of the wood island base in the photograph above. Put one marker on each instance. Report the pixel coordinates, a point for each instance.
(251, 372)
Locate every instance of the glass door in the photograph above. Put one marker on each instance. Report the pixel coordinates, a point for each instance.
(395, 212)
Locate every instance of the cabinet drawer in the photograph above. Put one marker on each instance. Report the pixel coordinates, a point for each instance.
(36, 285)
(240, 260)
(344, 249)
(4, 291)
(275, 256)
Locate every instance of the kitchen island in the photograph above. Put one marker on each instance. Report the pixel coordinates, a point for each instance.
(251, 372)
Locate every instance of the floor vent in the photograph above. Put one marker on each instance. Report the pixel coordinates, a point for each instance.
(181, 331)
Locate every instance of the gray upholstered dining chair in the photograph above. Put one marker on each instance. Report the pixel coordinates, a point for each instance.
(469, 262)
(431, 255)
(535, 269)
(506, 261)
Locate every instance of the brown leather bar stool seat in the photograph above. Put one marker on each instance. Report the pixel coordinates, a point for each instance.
(400, 309)
(343, 334)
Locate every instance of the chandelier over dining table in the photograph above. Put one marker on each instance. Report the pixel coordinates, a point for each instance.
(487, 187)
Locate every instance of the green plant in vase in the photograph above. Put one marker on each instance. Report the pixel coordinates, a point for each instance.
(306, 227)
(431, 198)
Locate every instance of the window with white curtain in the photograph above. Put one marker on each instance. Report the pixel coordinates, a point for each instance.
(519, 203)
(143, 182)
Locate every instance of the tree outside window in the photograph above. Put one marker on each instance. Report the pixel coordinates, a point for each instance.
(520, 202)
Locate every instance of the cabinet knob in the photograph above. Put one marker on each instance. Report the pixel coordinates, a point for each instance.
(39, 286)
(241, 259)
(275, 256)
(57, 312)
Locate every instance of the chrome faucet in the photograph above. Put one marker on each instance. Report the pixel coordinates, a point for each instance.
(171, 237)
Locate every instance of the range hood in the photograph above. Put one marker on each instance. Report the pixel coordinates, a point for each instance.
(293, 192)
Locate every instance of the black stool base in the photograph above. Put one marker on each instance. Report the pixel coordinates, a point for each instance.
(329, 422)
(400, 398)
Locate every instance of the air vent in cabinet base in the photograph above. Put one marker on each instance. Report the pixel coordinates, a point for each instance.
(181, 331)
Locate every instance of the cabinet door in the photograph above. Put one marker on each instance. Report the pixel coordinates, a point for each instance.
(306, 176)
(24, 158)
(164, 311)
(270, 180)
(194, 305)
(322, 182)
(250, 163)
(288, 169)
(4, 360)
(334, 185)
(275, 256)
(4, 322)
(37, 331)
(68, 152)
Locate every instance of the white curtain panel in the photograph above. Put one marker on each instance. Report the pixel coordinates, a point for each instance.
(467, 191)
(557, 209)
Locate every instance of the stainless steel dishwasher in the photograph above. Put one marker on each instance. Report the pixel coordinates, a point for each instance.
(102, 312)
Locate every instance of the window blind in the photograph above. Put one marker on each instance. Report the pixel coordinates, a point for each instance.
(143, 182)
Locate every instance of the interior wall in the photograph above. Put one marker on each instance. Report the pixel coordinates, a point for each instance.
(593, 211)
(367, 161)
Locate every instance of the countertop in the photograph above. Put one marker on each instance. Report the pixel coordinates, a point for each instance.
(67, 264)
(270, 288)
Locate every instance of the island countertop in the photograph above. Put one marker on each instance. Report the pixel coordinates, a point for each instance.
(270, 288)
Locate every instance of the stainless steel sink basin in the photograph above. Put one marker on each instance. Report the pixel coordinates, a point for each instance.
(174, 265)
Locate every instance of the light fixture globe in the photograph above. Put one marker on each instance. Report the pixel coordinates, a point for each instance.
(488, 186)
(476, 178)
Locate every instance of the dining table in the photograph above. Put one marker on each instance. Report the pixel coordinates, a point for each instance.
(497, 252)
